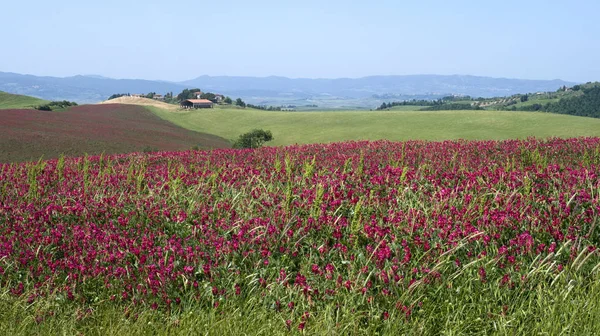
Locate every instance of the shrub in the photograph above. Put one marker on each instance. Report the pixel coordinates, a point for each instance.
(55, 105)
(254, 139)
(44, 108)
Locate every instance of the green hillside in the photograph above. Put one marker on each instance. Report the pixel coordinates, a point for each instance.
(13, 101)
(316, 127)
(579, 100)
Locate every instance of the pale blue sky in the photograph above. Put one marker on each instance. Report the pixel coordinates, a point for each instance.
(178, 40)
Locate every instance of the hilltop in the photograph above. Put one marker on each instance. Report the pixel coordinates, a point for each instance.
(14, 101)
(141, 101)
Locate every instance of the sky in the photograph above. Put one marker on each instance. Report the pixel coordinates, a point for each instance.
(179, 40)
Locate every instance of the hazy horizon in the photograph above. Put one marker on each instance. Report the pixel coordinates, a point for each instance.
(536, 40)
(288, 77)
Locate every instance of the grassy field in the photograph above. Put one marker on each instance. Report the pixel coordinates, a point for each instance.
(322, 127)
(12, 101)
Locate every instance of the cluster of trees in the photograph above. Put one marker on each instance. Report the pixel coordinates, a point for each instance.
(193, 94)
(586, 102)
(586, 105)
(414, 102)
(264, 108)
(423, 102)
(55, 105)
(188, 94)
(452, 106)
(118, 95)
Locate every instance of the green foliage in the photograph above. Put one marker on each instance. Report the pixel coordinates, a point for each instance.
(414, 102)
(228, 100)
(210, 96)
(532, 107)
(253, 139)
(452, 107)
(240, 102)
(264, 108)
(44, 108)
(193, 93)
(151, 95)
(55, 105)
(187, 94)
(586, 105)
(445, 101)
(118, 95)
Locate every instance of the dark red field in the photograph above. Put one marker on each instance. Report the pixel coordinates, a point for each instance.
(93, 129)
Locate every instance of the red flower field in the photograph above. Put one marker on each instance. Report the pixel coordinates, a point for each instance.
(386, 231)
(93, 129)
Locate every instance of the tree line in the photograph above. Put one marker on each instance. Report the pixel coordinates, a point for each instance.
(586, 105)
(55, 105)
(445, 103)
(453, 107)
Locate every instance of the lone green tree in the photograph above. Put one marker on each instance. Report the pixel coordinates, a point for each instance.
(240, 102)
(253, 139)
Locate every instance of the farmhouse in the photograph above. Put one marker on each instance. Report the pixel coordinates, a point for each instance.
(196, 103)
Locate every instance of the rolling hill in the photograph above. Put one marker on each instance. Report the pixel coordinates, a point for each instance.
(141, 101)
(93, 129)
(14, 101)
(322, 127)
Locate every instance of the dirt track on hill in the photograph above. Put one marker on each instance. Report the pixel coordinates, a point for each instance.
(93, 129)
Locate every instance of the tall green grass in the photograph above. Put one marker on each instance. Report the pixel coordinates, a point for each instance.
(544, 304)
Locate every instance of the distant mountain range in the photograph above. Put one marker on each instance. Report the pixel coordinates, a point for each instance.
(94, 88)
